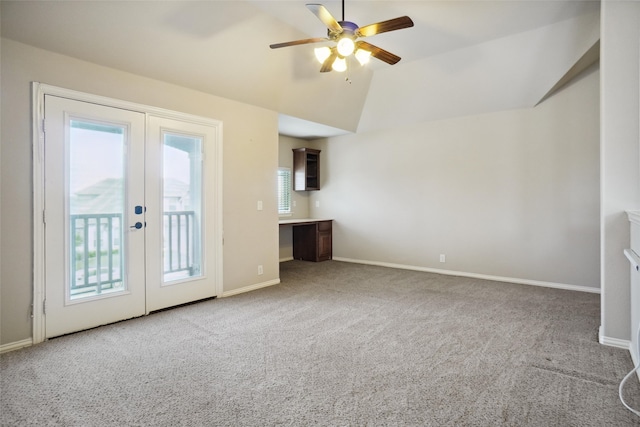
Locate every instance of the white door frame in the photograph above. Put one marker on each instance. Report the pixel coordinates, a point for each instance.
(39, 90)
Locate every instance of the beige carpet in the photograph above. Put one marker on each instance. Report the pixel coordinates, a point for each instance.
(335, 344)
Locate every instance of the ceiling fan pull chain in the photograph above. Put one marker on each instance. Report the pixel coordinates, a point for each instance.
(348, 76)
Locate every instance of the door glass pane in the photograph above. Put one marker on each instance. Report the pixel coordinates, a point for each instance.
(182, 253)
(96, 206)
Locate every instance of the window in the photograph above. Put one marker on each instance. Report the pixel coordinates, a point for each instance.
(284, 191)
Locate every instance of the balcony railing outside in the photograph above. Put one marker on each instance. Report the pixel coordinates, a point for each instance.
(179, 243)
(96, 254)
(98, 259)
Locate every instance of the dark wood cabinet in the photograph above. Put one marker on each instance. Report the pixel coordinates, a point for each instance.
(325, 250)
(306, 169)
(312, 241)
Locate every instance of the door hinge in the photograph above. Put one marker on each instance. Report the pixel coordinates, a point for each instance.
(44, 217)
(44, 125)
(44, 306)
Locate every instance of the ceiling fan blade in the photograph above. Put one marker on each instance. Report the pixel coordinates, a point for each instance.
(297, 42)
(385, 26)
(325, 16)
(376, 52)
(326, 65)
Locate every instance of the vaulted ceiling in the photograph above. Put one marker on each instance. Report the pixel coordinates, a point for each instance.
(460, 58)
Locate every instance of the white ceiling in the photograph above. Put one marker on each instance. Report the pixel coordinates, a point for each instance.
(461, 57)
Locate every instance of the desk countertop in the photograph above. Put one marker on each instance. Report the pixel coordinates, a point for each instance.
(301, 221)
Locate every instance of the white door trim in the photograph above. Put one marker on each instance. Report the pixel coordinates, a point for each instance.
(39, 90)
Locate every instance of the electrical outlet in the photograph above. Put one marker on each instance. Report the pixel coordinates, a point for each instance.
(317, 203)
(260, 270)
(442, 257)
(259, 205)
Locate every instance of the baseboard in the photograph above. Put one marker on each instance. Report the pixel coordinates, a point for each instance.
(613, 342)
(4, 348)
(289, 258)
(476, 276)
(250, 288)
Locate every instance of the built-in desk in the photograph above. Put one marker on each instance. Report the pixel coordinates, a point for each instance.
(311, 238)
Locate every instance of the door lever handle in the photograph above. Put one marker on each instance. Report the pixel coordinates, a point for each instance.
(137, 225)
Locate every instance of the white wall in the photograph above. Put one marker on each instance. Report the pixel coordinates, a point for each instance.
(511, 194)
(620, 57)
(250, 156)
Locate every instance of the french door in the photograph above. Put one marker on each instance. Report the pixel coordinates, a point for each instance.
(130, 213)
(181, 215)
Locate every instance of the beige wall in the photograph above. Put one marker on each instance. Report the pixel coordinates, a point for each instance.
(513, 194)
(620, 59)
(250, 159)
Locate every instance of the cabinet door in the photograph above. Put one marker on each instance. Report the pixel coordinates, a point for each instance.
(305, 242)
(324, 241)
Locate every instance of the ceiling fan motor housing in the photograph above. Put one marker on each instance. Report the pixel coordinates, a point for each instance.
(348, 29)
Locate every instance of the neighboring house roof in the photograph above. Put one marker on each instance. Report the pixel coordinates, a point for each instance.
(106, 196)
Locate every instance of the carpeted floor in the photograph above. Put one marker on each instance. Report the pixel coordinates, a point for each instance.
(335, 344)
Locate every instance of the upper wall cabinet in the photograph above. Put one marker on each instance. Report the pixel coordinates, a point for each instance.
(306, 169)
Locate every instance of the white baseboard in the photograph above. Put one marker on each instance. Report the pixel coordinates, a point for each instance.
(16, 345)
(289, 258)
(616, 342)
(4, 348)
(250, 288)
(475, 276)
(613, 342)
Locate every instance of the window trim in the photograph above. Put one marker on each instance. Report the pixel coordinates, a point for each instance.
(288, 184)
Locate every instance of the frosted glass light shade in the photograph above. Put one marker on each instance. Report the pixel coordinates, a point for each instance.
(363, 56)
(346, 46)
(322, 53)
(339, 65)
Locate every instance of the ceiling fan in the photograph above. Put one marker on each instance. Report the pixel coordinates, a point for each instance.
(345, 34)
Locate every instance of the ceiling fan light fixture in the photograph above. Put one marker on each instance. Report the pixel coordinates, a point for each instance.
(339, 65)
(346, 35)
(322, 53)
(346, 46)
(363, 56)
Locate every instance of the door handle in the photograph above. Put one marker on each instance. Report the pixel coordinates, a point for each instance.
(137, 225)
